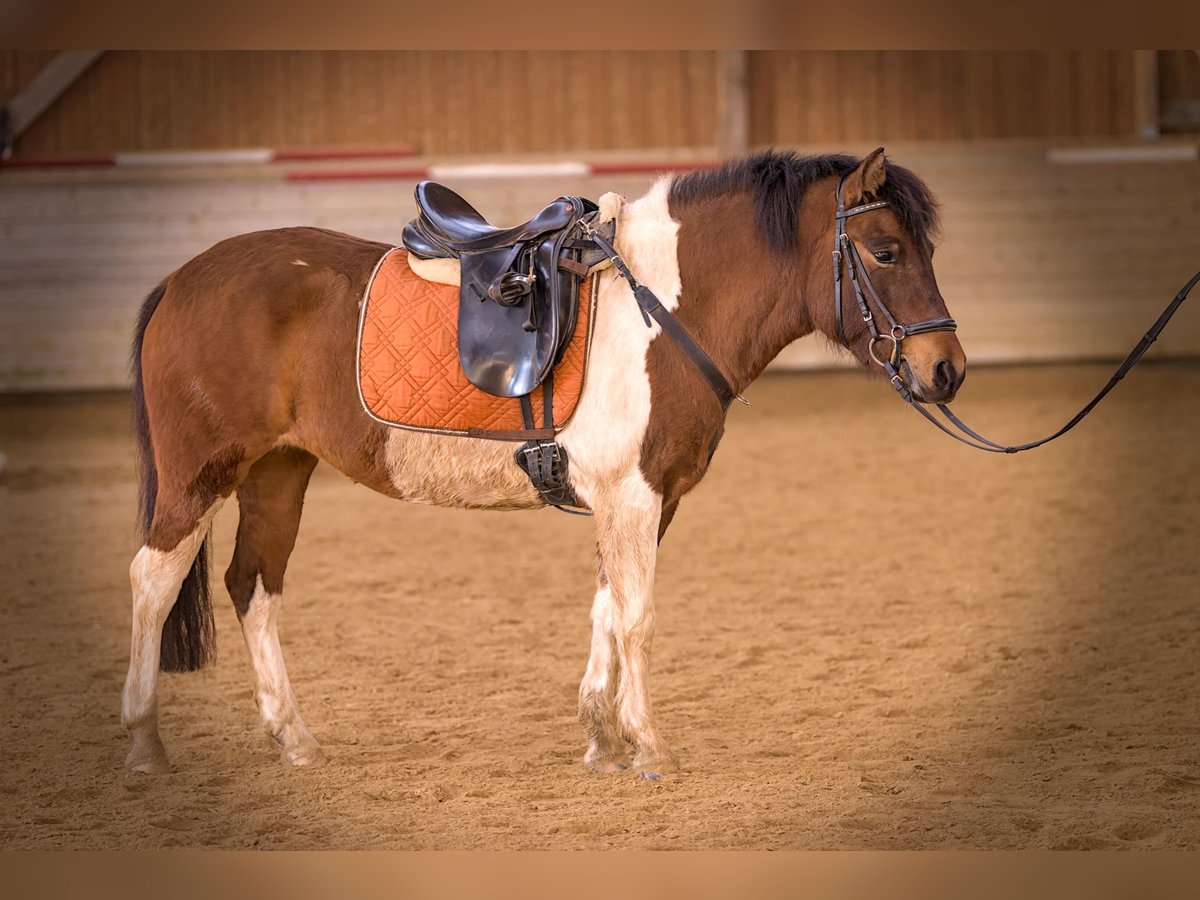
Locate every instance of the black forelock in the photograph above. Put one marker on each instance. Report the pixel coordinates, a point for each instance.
(778, 180)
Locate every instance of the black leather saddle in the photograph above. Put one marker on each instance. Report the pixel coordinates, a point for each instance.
(518, 299)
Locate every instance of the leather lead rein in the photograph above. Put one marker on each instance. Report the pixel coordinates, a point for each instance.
(1122, 370)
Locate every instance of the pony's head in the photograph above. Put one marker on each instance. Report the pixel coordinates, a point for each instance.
(886, 259)
(777, 275)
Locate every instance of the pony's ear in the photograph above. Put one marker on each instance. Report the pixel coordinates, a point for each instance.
(863, 184)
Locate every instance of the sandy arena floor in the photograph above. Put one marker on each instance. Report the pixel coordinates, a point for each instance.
(869, 637)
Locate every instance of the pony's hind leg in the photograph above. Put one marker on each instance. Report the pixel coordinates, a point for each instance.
(607, 750)
(165, 569)
(270, 500)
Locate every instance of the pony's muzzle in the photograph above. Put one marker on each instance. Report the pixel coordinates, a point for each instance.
(945, 378)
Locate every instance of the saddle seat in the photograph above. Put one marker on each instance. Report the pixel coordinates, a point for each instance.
(461, 226)
(519, 286)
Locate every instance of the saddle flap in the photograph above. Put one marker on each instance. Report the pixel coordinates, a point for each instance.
(498, 349)
(518, 286)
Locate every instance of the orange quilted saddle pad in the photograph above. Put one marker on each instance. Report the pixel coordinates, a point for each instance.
(408, 370)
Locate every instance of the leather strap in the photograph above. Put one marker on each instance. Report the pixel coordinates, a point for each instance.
(651, 307)
(548, 400)
(527, 412)
(976, 440)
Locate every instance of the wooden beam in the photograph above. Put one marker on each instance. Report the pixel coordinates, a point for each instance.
(1145, 95)
(733, 102)
(47, 86)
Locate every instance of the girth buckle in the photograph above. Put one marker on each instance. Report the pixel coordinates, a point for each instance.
(545, 462)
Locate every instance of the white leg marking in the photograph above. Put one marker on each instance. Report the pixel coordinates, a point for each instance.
(627, 538)
(156, 577)
(598, 676)
(604, 442)
(273, 689)
(597, 693)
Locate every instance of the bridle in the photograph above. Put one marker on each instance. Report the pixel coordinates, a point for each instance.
(845, 252)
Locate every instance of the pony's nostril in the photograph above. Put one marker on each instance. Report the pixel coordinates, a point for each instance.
(943, 375)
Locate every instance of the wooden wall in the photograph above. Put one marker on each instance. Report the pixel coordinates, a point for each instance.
(445, 103)
(941, 95)
(439, 102)
(1179, 90)
(1040, 261)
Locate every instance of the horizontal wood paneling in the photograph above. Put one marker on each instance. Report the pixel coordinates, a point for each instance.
(439, 102)
(942, 95)
(446, 103)
(1039, 261)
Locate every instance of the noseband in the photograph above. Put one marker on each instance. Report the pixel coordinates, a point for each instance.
(845, 253)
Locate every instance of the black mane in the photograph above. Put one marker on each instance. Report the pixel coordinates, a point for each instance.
(779, 180)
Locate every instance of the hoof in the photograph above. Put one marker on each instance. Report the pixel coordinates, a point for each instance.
(311, 756)
(606, 766)
(604, 760)
(147, 755)
(653, 768)
(148, 763)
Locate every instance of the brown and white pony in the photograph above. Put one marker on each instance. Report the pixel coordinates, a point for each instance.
(244, 377)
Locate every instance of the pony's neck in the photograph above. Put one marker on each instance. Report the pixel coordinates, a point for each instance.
(741, 300)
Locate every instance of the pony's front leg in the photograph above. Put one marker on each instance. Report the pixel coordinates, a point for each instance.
(627, 522)
(607, 750)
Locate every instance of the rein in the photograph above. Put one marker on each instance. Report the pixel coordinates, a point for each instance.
(845, 251)
(1122, 370)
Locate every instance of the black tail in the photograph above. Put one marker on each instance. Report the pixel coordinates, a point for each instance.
(188, 638)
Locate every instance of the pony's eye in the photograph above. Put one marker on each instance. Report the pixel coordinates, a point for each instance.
(887, 257)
